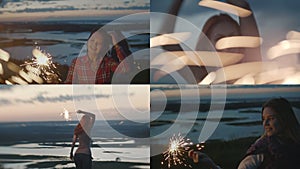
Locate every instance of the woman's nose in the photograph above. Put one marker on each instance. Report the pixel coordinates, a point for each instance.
(266, 122)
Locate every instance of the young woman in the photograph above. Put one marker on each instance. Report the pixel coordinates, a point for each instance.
(82, 133)
(277, 148)
(98, 66)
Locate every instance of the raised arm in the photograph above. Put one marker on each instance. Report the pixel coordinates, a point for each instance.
(91, 115)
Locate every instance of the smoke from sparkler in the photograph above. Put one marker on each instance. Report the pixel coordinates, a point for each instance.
(177, 152)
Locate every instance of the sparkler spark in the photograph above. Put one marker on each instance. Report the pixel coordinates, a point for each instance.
(42, 66)
(1, 69)
(66, 115)
(177, 152)
(4, 55)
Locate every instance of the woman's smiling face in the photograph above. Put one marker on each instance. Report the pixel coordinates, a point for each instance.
(270, 122)
(96, 46)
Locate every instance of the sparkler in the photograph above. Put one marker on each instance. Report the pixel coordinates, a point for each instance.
(177, 152)
(239, 42)
(167, 39)
(1, 69)
(66, 115)
(242, 12)
(42, 65)
(4, 55)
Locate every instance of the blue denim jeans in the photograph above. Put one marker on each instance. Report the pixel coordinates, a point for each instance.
(83, 161)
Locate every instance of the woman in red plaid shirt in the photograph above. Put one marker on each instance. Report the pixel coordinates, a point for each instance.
(98, 66)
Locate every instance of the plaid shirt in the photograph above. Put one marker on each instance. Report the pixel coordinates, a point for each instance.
(80, 71)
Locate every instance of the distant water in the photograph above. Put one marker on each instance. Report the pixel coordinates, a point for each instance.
(64, 37)
(17, 132)
(118, 139)
(240, 115)
(16, 6)
(64, 40)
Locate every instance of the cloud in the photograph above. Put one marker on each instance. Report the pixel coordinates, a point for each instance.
(41, 98)
(4, 102)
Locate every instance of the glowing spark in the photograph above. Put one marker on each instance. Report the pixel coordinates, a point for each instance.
(238, 42)
(1, 69)
(13, 67)
(198, 58)
(25, 76)
(208, 79)
(293, 35)
(226, 7)
(238, 71)
(41, 58)
(35, 78)
(18, 80)
(169, 39)
(274, 75)
(246, 80)
(66, 115)
(8, 82)
(292, 79)
(4, 55)
(41, 65)
(177, 152)
(285, 47)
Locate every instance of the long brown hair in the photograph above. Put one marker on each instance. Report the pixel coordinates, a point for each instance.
(78, 129)
(286, 118)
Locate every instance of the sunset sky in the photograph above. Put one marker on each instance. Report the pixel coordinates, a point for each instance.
(47, 102)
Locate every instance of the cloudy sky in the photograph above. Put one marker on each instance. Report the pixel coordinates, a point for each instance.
(47, 102)
(275, 18)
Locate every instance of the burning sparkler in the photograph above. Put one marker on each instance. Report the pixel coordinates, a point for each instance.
(42, 65)
(66, 115)
(177, 152)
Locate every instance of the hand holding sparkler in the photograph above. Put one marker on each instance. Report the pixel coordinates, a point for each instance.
(177, 152)
(85, 113)
(202, 159)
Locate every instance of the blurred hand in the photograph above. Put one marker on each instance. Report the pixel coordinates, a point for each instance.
(71, 156)
(80, 112)
(202, 159)
(116, 36)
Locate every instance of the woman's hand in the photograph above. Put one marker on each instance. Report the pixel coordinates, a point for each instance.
(202, 159)
(71, 156)
(116, 37)
(80, 112)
